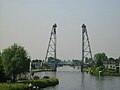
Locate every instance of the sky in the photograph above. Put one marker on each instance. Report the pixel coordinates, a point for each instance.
(29, 22)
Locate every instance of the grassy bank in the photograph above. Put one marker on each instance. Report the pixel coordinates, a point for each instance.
(15, 86)
(41, 70)
(35, 84)
(95, 70)
(42, 83)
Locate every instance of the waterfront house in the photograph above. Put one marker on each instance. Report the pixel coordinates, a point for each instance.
(111, 64)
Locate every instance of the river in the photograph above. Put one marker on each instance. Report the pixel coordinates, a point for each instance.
(72, 79)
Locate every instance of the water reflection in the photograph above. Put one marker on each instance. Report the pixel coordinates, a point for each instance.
(72, 79)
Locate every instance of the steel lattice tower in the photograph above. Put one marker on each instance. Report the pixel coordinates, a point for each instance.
(86, 49)
(51, 50)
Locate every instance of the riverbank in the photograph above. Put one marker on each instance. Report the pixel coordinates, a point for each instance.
(30, 84)
(101, 70)
(41, 83)
(13, 86)
(41, 70)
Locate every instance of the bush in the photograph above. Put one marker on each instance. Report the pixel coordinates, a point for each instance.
(15, 86)
(36, 77)
(113, 74)
(92, 69)
(42, 83)
(95, 70)
(111, 70)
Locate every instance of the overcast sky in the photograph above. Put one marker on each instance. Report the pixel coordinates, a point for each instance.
(29, 23)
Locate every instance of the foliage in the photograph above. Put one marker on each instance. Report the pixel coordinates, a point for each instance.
(16, 86)
(111, 59)
(36, 77)
(100, 57)
(42, 83)
(36, 61)
(111, 70)
(99, 63)
(113, 74)
(118, 60)
(2, 74)
(41, 70)
(15, 61)
(88, 60)
(95, 70)
(50, 59)
(104, 71)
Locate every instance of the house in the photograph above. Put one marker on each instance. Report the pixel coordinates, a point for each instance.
(111, 64)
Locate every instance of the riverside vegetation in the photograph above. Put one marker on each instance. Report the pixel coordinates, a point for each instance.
(98, 68)
(13, 86)
(41, 83)
(14, 62)
(27, 84)
(95, 70)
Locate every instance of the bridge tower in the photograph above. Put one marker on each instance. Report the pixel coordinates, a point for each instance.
(86, 49)
(51, 50)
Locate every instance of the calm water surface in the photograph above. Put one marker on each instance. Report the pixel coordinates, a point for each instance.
(72, 79)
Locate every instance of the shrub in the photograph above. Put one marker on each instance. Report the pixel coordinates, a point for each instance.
(95, 70)
(15, 86)
(111, 70)
(42, 83)
(36, 77)
(92, 69)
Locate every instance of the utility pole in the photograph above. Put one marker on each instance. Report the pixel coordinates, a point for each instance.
(86, 49)
(51, 50)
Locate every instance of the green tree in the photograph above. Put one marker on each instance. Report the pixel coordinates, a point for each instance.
(111, 59)
(117, 63)
(2, 76)
(88, 60)
(50, 59)
(118, 60)
(15, 61)
(99, 58)
(36, 62)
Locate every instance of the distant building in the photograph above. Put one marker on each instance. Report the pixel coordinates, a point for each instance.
(36, 64)
(111, 64)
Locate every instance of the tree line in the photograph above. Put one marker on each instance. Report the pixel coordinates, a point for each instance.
(102, 57)
(100, 66)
